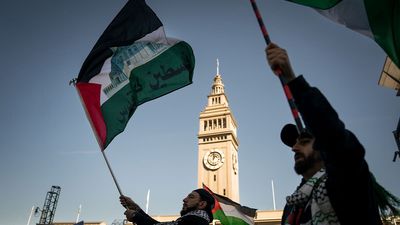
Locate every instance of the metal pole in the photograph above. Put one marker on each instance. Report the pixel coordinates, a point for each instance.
(79, 213)
(273, 194)
(147, 201)
(278, 70)
(30, 215)
(112, 174)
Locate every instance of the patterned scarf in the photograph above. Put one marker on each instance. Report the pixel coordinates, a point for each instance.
(200, 213)
(311, 194)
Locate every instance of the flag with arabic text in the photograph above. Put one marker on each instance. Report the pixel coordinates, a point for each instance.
(132, 62)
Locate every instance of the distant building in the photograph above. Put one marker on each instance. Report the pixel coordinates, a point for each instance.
(390, 76)
(218, 161)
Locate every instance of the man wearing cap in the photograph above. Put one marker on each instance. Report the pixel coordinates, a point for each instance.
(196, 210)
(337, 186)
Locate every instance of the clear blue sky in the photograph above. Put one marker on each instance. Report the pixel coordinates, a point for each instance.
(46, 139)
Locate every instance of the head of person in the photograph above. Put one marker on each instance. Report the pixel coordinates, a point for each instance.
(199, 199)
(307, 160)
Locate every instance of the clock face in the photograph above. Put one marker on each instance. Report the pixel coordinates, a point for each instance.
(214, 159)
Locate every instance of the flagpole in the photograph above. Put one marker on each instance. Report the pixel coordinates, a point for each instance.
(147, 201)
(73, 82)
(273, 194)
(278, 70)
(112, 174)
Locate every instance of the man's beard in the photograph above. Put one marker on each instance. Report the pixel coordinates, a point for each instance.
(307, 163)
(187, 210)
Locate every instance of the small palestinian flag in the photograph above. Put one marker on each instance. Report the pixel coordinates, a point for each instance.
(229, 212)
(132, 62)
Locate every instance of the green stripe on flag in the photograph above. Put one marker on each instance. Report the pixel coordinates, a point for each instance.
(320, 4)
(117, 111)
(166, 73)
(169, 71)
(235, 221)
(378, 19)
(384, 20)
(228, 220)
(220, 215)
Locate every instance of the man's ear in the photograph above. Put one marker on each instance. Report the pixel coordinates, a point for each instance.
(202, 204)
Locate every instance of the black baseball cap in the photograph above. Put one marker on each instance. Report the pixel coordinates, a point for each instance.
(289, 134)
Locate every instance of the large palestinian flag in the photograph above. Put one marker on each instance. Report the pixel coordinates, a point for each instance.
(377, 19)
(131, 63)
(229, 212)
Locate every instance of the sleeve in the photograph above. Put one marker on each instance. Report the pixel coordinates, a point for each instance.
(340, 149)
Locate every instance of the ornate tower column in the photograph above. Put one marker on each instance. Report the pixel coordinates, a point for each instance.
(218, 144)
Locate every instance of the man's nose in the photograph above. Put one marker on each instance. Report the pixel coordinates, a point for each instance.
(295, 148)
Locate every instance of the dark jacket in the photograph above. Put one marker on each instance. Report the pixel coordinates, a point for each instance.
(349, 183)
(197, 217)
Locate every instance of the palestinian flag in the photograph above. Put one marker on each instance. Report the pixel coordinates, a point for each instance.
(377, 19)
(229, 212)
(132, 62)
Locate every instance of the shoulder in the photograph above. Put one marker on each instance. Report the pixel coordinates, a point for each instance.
(191, 219)
(198, 217)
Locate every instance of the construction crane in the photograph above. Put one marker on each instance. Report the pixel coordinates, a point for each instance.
(50, 205)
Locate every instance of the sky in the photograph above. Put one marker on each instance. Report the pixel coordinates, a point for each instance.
(46, 138)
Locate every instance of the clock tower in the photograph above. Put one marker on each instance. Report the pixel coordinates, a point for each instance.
(218, 144)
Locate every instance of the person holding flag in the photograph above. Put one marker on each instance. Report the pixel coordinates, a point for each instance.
(196, 210)
(337, 186)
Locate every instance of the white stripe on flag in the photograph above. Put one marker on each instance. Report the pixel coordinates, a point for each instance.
(230, 210)
(352, 14)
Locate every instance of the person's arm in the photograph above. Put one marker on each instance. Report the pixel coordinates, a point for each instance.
(139, 217)
(278, 59)
(336, 144)
(134, 213)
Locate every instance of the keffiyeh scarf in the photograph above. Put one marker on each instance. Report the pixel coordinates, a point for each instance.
(200, 213)
(311, 198)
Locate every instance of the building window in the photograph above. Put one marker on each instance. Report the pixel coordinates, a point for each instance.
(205, 125)
(215, 177)
(224, 122)
(224, 192)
